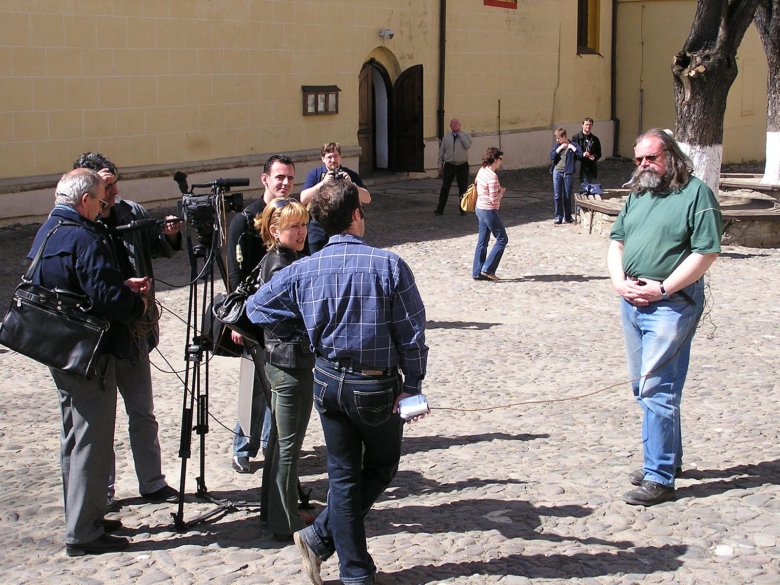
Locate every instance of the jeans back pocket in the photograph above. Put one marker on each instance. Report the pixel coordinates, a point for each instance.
(376, 407)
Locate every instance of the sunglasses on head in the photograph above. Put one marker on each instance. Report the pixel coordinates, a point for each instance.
(281, 203)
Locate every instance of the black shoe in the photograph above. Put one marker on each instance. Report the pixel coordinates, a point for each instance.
(557, 222)
(283, 537)
(112, 505)
(649, 494)
(638, 476)
(569, 220)
(164, 494)
(481, 277)
(102, 544)
(241, 464)
(437, 212)
(111, 525)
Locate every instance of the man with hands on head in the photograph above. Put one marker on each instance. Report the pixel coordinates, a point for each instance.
(134, 250)
(365, 320)
(331, 170)
(663, 241)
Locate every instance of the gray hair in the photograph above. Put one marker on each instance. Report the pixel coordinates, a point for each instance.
(680, 168)
(74, 184)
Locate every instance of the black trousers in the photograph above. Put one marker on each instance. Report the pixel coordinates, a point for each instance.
(450, 172)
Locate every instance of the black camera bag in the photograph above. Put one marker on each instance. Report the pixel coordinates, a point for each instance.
(55, 327)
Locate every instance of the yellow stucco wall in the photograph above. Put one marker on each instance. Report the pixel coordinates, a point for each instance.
(166, 81)
(650, 33)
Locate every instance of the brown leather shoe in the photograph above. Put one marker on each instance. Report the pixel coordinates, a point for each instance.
(649, 493)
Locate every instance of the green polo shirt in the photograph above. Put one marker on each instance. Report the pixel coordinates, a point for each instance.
(660, 230)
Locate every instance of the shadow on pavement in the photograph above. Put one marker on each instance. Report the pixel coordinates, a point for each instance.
(639, 561)
(741, 477)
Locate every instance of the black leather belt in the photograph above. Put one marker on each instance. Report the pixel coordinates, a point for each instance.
(354, 367)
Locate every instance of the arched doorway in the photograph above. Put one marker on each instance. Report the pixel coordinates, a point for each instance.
(374, 118)
(390, 131)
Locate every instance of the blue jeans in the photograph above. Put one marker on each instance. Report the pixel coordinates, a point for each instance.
(489, 222)
(248, 445)
(562, 187)
(658, 348)
(363, 438)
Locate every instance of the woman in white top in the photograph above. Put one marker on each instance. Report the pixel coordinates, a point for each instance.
(489, 194)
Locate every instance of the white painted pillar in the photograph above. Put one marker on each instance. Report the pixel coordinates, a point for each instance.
(707, 161)
(772, 168)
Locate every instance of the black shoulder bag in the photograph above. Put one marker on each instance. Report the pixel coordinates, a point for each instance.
(55, 327)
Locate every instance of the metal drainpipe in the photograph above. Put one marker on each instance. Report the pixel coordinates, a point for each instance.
(442, 58)
(613, 90)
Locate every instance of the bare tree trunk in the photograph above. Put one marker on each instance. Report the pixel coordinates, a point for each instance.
(703, 74)
(768, 25)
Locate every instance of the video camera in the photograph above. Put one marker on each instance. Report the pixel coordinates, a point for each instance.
(205, 212)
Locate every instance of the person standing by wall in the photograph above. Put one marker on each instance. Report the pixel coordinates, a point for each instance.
(453, 164)
(564, 156)
(331, 170)
(591, 152)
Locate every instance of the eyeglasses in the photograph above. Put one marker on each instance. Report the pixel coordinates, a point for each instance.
(103, 204)
(648, 157)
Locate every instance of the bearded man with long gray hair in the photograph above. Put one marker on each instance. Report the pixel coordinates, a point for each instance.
(665, 238)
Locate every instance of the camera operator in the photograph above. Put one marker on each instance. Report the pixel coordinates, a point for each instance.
(134, 250)
(245, 251)
(79, 259)
(329, 172)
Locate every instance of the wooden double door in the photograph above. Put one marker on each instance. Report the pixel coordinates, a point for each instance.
(390, 129)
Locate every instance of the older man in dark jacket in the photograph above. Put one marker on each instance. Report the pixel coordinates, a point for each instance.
(78, 258)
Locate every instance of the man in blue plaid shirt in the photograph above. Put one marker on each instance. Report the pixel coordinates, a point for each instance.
(365, 319)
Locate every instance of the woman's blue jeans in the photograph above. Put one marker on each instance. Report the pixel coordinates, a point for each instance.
(562, 187)
(363, 438)
(489, 222)
(658, 348)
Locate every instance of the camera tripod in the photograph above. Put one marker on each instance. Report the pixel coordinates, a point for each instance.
(196, 381)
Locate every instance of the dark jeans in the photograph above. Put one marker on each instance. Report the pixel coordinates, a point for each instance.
(316, 237)
(588, 174)
(363, 438)
(450, 172)
(562, 187)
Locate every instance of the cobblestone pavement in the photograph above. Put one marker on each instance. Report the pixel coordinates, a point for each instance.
(516, 477)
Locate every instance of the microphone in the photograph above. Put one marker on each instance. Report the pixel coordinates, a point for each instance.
(141, 224)
(223, 183)
(181, 179)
